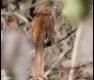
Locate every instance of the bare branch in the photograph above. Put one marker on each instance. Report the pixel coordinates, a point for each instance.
(64, 38)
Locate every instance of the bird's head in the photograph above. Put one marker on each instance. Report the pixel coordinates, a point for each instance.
(46, 8)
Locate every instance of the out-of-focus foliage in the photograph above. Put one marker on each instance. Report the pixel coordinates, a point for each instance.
(75, 10)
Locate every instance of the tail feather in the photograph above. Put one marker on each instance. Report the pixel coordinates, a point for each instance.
(39, 62)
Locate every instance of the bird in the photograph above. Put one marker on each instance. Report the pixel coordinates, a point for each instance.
(42, 34)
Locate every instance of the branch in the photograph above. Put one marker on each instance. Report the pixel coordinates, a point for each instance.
(61, 55)
(16, 14)
(74, 53)
(63, 39)
(60, 40)
(57, 60)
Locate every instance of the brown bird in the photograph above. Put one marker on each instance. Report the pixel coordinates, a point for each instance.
(42, 32)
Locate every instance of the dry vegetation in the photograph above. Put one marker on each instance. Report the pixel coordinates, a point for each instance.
(58, 55)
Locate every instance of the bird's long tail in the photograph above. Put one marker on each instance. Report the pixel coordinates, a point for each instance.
(39, 61)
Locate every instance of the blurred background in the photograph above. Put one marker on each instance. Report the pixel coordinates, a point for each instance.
(72, 45)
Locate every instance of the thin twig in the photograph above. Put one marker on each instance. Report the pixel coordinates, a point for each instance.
(75, 53)
(21, 17)
(60, 57)
(63, 39)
